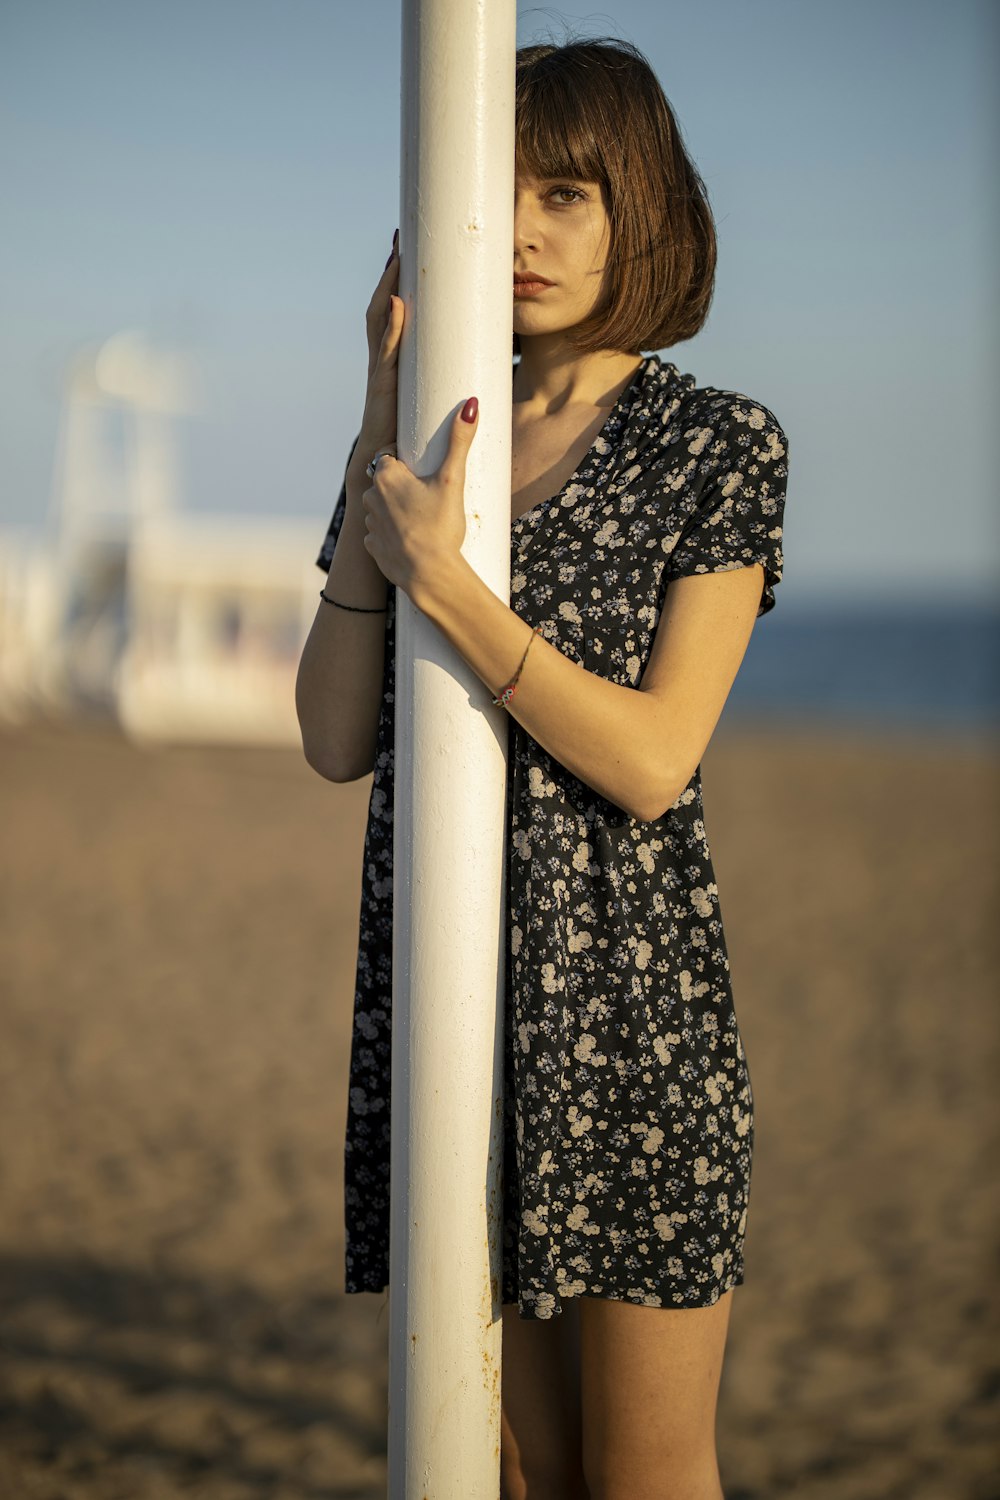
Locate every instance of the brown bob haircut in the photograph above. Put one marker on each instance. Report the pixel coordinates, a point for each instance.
(594, 111)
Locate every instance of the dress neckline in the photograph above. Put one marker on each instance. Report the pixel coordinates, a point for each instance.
(626, 396)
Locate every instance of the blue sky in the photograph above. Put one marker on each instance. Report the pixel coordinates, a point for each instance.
(225, 175)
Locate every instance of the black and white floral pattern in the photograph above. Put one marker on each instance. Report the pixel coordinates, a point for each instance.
(629, 1112)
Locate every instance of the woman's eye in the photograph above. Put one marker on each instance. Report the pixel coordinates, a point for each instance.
(575, 191)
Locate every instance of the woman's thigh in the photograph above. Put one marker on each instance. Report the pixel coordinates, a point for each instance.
(540, 1446)
(650, 1383)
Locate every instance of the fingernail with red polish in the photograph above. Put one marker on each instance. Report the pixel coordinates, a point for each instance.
(471, 409)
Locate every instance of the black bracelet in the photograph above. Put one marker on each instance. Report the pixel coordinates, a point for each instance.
(358, 608)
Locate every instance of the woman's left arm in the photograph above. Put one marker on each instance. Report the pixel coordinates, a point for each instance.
(637, 747)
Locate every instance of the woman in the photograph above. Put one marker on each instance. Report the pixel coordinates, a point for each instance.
(646, 516)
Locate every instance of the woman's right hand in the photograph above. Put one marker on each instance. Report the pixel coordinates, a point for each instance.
(384, 320)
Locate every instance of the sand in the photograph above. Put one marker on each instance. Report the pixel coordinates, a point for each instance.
(177, 945)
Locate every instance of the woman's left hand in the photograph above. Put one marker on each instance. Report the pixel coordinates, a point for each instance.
(414, 528)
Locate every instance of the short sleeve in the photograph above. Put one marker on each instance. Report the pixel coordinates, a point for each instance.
(739, 517)
(325, 557)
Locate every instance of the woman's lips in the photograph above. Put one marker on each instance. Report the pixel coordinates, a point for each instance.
(530, 288)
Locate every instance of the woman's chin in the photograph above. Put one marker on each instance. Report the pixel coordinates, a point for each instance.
(530, 325)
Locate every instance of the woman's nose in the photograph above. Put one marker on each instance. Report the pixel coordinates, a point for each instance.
(525, 224)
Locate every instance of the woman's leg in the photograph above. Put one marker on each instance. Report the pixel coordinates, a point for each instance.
(650, 1384)
(540, 1437)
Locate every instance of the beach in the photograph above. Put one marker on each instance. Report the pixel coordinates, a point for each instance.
(178, 933)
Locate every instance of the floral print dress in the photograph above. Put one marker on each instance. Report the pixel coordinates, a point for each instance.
(629, 1121)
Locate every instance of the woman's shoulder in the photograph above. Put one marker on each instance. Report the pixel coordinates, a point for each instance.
(681, 420)
(716, 407)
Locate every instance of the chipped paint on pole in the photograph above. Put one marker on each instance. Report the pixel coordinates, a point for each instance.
(449, 910)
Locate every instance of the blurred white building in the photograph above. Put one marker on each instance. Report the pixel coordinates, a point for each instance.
(180, 626)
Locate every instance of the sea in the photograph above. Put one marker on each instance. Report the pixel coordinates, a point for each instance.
(931, 668)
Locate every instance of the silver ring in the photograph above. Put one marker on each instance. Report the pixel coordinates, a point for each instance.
(372, 464)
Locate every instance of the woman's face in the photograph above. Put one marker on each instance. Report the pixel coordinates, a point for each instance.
(562, 233)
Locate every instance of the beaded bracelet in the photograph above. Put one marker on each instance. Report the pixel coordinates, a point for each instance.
(508, 692)
(378, 609)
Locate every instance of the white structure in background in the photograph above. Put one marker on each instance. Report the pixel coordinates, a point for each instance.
(29, 603)
(220, 608)
(181, 626)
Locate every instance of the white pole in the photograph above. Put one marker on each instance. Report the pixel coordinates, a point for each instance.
(449, 914)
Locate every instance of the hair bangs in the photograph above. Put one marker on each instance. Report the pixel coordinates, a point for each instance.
(553, 136)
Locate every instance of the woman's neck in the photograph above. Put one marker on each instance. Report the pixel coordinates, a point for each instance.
(551, 376)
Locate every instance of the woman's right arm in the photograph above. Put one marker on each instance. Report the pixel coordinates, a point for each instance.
(338, 690)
